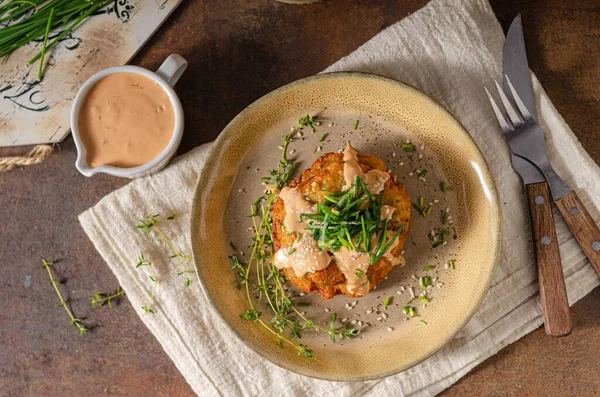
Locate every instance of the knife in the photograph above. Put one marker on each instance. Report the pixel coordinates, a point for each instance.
(555, 306)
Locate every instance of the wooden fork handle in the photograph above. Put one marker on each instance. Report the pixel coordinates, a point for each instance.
(583, 227)
(557, 316)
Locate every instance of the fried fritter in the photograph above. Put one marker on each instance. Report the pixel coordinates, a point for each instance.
(324, 176)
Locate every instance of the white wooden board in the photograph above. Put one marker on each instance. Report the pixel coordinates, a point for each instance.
(34, 112)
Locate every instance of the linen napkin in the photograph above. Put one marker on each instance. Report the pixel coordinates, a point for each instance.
(449, 49)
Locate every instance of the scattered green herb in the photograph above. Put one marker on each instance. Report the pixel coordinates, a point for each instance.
(421, 201)
(323, 137)
(101, 299)
(142, 261)
(444, 217)
(151, 223)
(290, 252)
(232, 245)
(427, 268)
(425, 281)
(409, 147)
(387, 301)
(424, 299)
(76, 321)
(360, 273)
(451, 264)
(356, 124)
(423, 322)
(422, 173)
(307, 120)
(437, 244)
(304, 304)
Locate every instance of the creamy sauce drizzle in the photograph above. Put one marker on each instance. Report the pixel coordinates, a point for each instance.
(125, 120)
(306, 256)
(374, 179)
(295, 204)
(349, 262)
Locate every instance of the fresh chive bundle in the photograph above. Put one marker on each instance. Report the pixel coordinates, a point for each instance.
(30, 21)
(350, 219)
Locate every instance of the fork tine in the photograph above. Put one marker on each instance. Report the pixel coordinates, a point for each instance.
(519, 102)
(499, 116)
(512, 114)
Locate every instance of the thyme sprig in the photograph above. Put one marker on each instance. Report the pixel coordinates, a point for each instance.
(144, 262)
(267, 282)
(151, 222)
(105, 298)
(76, 321)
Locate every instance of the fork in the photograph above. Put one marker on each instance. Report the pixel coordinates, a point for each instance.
(527, 140)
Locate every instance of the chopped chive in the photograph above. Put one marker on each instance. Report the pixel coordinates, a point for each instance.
(451, 263)
(426, 268)
(411, 311)
(418, 207)
(360, 273)
(333, 317)
(427, 211)
(408, 147)
(405, 309)
(421, 201)
(424, 281)
(437, 244)
(290, 252)
(444, 217)
(443, 186)
(422, 173)
(411, 301)
(424, 299)
(423, 321)
(356, 124)
(232, 245)
(304, 304)
(45, 45)
(387, 301)
(323, 137)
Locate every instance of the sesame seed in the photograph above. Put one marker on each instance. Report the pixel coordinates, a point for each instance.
(369, 311)
(410, 174)
(420, 156)
(399, 292)
(327, 310)
(353, 322)
(378, 318)
(344, 320)
(390, 329)
(401, 163)
(384, 315)
(360, 323)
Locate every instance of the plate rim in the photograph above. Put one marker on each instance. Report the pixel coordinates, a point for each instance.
(211, 158)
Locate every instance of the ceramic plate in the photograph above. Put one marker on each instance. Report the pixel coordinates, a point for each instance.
(389, 114)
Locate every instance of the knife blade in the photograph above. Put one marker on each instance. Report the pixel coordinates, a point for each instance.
(557, 318)
(514, 49)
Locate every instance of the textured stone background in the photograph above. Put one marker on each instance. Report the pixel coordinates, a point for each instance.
(239, 50)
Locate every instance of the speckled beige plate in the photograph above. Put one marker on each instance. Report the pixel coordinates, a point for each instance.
(388, 113)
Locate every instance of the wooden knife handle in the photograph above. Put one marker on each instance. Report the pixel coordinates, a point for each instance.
(583, 227)
(553, 294)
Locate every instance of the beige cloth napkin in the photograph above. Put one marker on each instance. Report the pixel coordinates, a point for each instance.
(449, 49)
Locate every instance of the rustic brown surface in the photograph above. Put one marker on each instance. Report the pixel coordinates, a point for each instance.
(239, 50)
